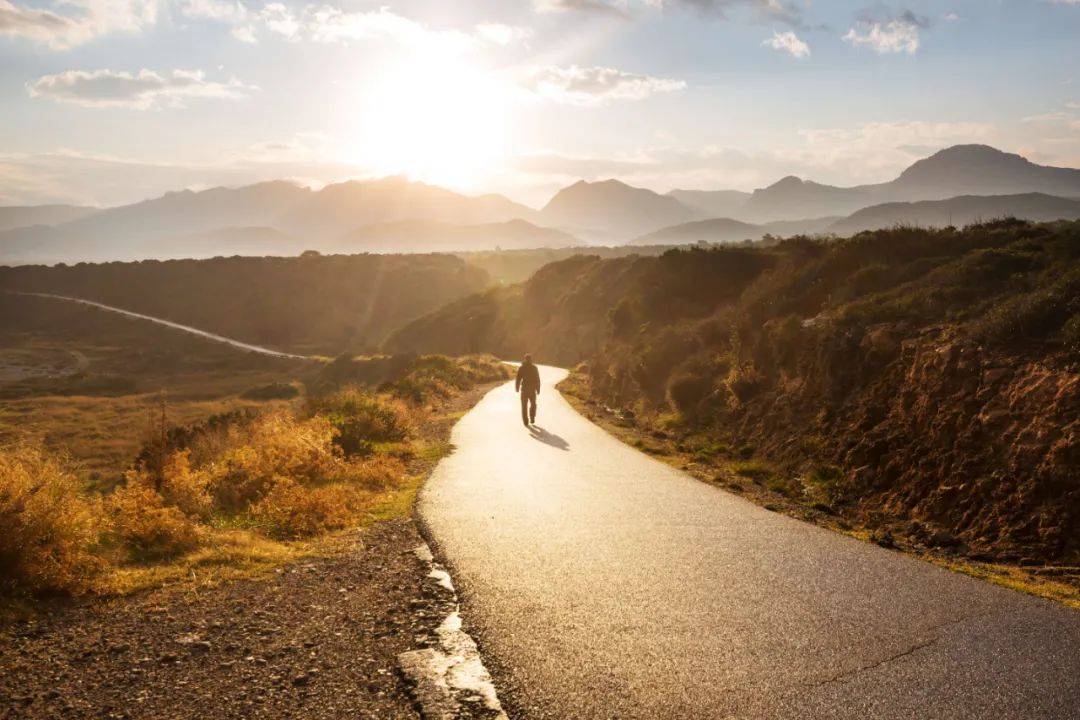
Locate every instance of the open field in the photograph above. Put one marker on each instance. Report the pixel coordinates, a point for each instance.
(83, 381)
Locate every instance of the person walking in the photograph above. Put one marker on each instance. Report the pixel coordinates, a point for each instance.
(528, 384)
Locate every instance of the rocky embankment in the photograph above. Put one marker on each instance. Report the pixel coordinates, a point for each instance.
(970, 447)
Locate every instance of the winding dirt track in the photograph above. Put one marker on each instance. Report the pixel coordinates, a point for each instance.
(601, 583)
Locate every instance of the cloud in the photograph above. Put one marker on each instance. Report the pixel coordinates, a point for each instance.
(594, 85)
(501, 34)
(76, 21)
(614, 8)
(1059, 121)
(876, 150)
(788, 42)
(228, 11)
(330, 24)
(766, 10)
(280, 20)
(886, 32)
(245, 34)
(108, 88)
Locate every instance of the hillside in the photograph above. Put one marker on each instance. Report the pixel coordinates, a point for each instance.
(959, 211)
(228, 241)
(515, 266)
(712, 203)
(981, 170)
(612, 210)
(435, 236)
(318, 304)
(18, 217)
(726, 230)
(913, 382)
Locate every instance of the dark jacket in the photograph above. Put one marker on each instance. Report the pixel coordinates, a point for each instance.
(528, 378)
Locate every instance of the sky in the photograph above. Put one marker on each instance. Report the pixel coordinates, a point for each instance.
(107, 102)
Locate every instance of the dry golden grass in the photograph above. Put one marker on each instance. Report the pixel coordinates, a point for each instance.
(49, 530)
(237, 497)
(102, 434)
(1027, 580)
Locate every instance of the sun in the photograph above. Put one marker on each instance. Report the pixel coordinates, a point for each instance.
(439, 120)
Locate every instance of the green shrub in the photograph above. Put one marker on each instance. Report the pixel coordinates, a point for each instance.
(362, 419)
(1033, 315)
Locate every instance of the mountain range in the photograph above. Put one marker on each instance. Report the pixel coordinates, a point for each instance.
(956, 185)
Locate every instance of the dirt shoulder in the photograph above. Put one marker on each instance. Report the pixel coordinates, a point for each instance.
(316, 638)
(768, 486)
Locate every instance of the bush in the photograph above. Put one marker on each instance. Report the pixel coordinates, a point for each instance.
(292, 511)
(656, 360)
(687, 390)
(361, 419)
(273, 391)
(146, 527)
(438, 376)
(745, 383)
(179, 485)
(272, 447)
(49, 531)
(378, 472)
(1033, 315)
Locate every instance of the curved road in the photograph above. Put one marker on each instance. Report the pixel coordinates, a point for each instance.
(247, 347)
(601, 583)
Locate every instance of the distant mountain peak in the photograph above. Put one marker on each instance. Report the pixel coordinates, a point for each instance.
(788, 181)
(968, 155)
(612, 209)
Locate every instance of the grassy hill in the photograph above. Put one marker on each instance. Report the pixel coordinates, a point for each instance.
(927, 378)
(321, 304)
(434, 236)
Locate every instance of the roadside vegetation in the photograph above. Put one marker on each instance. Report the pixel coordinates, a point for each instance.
(235, 493)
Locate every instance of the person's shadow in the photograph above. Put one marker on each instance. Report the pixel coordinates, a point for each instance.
(539, 433)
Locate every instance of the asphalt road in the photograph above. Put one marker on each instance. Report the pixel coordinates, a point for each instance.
(601, 583)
